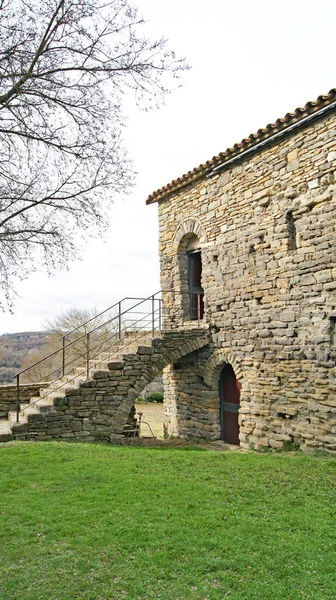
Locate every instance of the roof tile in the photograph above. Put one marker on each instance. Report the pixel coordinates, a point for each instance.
(262, 134)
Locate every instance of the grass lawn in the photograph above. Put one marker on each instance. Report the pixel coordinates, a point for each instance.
(94, 522)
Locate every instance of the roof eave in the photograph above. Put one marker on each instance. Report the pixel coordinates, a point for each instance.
(282, 127)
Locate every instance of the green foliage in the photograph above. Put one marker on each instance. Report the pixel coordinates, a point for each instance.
(290, 446)
(322, 453)
(155, 397)
(95, 522)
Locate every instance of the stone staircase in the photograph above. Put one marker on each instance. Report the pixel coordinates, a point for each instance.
(75, 407)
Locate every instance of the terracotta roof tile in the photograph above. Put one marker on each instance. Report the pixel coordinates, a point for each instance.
(262, 134)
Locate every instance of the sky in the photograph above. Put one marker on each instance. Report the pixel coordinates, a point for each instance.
(252, 62)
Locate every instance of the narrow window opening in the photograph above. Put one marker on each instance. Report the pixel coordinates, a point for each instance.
(291, 231)
(333, 331)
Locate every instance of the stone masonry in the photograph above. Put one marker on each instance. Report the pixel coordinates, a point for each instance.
(265, 224)
(97, 409)
(8, 396)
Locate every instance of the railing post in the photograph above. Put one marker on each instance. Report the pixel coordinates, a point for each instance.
(153, 315)
(198, 308)
(119, 322)
(17, 398)
(139, 422)
(160, 315)
(63, 356)
(87, 355)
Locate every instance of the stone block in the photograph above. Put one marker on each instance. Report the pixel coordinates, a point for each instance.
(115, 365)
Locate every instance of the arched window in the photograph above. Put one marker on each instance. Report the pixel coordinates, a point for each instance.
(196, 292)
(190, 268)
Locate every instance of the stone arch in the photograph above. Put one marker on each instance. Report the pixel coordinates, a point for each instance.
(191, 226)
(165, 351)
(215, 364)
(168, 357)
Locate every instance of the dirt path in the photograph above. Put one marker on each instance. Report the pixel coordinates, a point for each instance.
(152, 413)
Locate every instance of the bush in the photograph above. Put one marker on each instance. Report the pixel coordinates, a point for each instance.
(155, 397)
(288, 446)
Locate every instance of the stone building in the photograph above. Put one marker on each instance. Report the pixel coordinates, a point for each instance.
(248, 275)
(247, 250)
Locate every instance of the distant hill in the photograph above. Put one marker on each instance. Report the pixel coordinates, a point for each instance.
(15, 347)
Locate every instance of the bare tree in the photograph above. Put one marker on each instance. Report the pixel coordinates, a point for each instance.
(75, 324)
(42, 368)
(70, 328)
(65, 66)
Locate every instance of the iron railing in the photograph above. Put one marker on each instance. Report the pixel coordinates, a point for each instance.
(196, 301)
(93, 342)
(96, 341)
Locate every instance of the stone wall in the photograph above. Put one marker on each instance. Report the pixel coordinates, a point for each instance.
(267, 232)
(8, 396)
(191, 407)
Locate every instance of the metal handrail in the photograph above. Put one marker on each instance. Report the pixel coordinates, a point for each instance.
(92, 330)
(65, 383)
(153, 317)
(110, 308)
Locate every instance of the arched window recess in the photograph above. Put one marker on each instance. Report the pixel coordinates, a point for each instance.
(196, 292)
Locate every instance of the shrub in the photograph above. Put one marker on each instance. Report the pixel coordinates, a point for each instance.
(155, 397)
(290, 446)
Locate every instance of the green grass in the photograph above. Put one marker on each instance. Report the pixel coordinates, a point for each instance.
(93, 522)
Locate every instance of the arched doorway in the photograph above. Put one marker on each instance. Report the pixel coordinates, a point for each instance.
(229, 395)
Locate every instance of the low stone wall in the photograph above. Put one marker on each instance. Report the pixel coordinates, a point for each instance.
(8, 396)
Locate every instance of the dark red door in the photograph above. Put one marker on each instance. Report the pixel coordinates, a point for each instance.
(229, 394)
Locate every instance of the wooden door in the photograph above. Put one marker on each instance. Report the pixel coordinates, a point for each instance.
(229, 394)
(196, 291)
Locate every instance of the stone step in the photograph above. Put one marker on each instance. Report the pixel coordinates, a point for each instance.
(25, 410)
(43, 405)
(41, 402)
(104, 356)
(60, 385)
(6, 437)
(5, 431)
